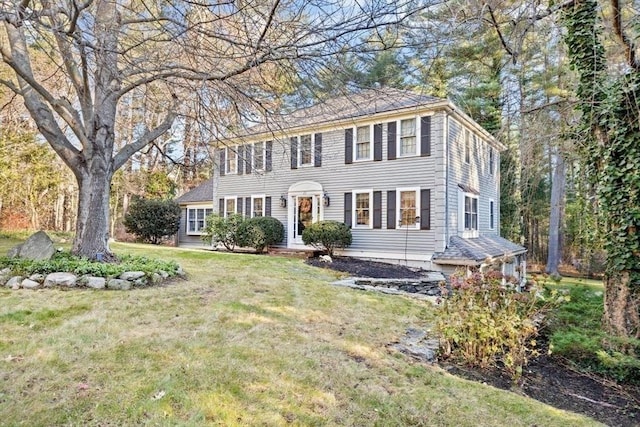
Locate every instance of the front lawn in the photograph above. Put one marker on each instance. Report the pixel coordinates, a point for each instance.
(247, 340)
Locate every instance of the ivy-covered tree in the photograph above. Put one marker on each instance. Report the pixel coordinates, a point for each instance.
(610, 141)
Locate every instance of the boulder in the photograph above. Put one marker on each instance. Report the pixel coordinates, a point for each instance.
(60, 279)
(5, 274)
(38, 246)
(119, 284)
(30, 284)
(132, 275)
(14, 282)
(95, 282)
(37, 277)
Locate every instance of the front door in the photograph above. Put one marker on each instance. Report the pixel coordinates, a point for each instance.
(306, 212)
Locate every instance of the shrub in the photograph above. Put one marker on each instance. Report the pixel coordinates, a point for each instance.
(264, 231)
(152, 220)
(482, 321)
(327, 235)
(65, 261)
(230, 231)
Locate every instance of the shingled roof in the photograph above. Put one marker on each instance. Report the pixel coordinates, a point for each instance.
(201, 193)
(476, 250)
(351, 106)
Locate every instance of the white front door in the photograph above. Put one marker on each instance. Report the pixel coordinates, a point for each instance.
(306, 211)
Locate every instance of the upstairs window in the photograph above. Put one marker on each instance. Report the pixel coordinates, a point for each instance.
(258, 156)
(467, 146)
(491, 161)
(363, 143)
(408, 137)
(232, 160)
(306, 150)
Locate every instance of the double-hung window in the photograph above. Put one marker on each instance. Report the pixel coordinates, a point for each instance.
(232, 160)
(408, 140)
(258, 156)
(363, 143)
(229, 206)
(492, 220)
(467, 146)
(306, 150)
(491, 161)
(408, 207)
(257, 206)
(470, 213)
(363, 211)
(196, 219)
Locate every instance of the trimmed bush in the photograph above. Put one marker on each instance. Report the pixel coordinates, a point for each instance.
(152, 220)
(483, 321)
(230, 231)
(327, 235)
(264, 231)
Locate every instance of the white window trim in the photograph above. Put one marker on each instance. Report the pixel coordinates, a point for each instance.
(354, 215)
(415, 226)
(492, 213)
(461, 215)
(196, 208)
(235, 201)
(258, 196)
(234, 151)
(264, 156)
(313, 150)
(355, 144)
(399, 136)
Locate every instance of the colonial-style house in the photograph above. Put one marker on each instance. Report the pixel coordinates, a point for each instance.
(415, 178)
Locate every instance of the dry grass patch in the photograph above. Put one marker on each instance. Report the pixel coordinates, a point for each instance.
(247, 340)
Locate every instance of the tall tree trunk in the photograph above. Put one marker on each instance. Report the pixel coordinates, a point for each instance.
(558, 183)
(622, 306)
(92, 221)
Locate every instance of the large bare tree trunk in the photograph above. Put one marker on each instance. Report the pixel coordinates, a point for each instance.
(621, 306)
(555, 216)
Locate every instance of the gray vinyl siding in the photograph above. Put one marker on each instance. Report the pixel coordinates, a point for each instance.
(475, 175)
(336, 178)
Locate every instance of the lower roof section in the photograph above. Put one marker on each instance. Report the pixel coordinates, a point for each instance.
(476, 250)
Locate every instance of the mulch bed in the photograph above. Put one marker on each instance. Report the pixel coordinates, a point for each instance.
(547, 378)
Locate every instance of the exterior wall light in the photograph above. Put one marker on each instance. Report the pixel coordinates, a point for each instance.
(326, 200)
(283, 201)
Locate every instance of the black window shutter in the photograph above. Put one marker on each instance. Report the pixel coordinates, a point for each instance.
(317, 161)
(267, 206)
(425, 210)
(248, 156)
(294, 152)
(377, 142)
(240, 158)
(268, 156)
(391, 209)
(391, 141)
(223, 162)
(347, 209)
(425, 136)
(247, 207)
(377, 209)
(239, 205)
(348, 146)
(221, 207)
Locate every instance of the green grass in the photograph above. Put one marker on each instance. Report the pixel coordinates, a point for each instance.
(247, 340)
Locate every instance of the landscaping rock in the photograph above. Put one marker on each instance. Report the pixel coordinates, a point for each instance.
(141, 282)
(30, 284)
(416, 343)
(14, 282)
(38, 246)
(37, 278)
(119, 284)
(95, 282)
(5, 274)
(67, 280)
(132, 275)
